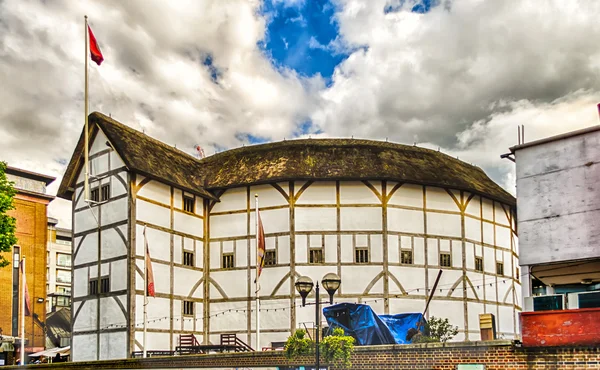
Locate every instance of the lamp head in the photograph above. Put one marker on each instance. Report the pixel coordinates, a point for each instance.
(331, 282)
(304, 285)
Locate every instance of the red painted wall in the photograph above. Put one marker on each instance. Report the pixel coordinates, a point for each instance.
(561, 328)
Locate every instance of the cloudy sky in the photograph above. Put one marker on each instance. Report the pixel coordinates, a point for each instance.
(459, 75)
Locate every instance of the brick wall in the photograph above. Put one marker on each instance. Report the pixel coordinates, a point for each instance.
(496, 355)
(31, 233)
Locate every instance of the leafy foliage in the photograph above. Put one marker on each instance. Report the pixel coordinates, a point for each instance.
(298, 345)
(438, 329)
(7, 223)
(337, 348)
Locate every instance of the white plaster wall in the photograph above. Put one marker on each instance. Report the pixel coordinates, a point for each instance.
(79, 283)
(228, 225)
(188, 224)
(87, 250)
(110, 312)
(356, 192)
(159, 243)
(473, 208)
(118, 274)
(438, 198)
(114, 211)
(152, 213)
(320, 192)
(231, 200)
(407, 195)
(83, 347)
(315, 219)
(273, 220)
(87, 319)
(443, 224)
(404, 220)
(472, 229)
(156, 191)
(356, 279)
(361, 218)
(233, 282)
(268, 196)
(112, 243)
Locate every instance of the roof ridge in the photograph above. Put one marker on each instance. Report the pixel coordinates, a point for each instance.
(110, 120)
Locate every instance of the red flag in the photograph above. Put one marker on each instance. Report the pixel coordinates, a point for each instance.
(149, 274)
(95, 52)
(261, 245)
(27, 300)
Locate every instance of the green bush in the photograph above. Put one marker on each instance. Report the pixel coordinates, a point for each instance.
(337, 348)
(297, 345)
(436, 330)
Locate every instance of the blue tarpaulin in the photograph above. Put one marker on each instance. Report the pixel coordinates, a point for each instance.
(360, 322)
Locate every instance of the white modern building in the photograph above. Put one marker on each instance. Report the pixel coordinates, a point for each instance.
(558, 192)
(58, 271)
(385, 217)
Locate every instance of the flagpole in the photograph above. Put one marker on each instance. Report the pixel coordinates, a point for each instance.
(86, 156)
(257, 274)
(145, 289)
(23, 314)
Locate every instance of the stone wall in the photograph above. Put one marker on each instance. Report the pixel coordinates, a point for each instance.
(495, 355)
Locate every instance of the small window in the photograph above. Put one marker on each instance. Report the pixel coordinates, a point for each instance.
(63, 276)
(315, 255)
(104, 285)
(95, 195)
(227, 261)
(517, 274)
(361, 255)
(478, 263)
(188, 204)
(445, 260)
(188, 308)
(270, 257)
(63, 260)
(93, 287)
(188, 258)
(406, 257)
(499, 268)
(105, 192)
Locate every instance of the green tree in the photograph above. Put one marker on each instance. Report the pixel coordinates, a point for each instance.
(7, 223)
(436, 330)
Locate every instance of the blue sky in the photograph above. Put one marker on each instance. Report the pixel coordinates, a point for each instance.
(301, 34)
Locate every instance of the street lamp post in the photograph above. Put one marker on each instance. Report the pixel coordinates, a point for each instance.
(331, 283)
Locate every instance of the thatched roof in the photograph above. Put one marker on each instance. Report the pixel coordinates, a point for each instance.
(346, 159)
(307, 159)
(142, 154)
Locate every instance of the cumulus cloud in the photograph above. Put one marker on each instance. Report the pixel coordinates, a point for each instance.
(186, 72)
(460, 77)
(427, 76)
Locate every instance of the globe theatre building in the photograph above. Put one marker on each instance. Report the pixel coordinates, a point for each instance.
(385, 217)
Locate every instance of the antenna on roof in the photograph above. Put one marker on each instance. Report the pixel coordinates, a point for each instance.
(110, 115)
(386, 139)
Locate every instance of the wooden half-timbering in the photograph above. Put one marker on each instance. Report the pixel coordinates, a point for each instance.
(385, 219)
(100, 310)
(385, 239)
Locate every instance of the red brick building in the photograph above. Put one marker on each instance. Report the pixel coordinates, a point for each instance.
(31, 203)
